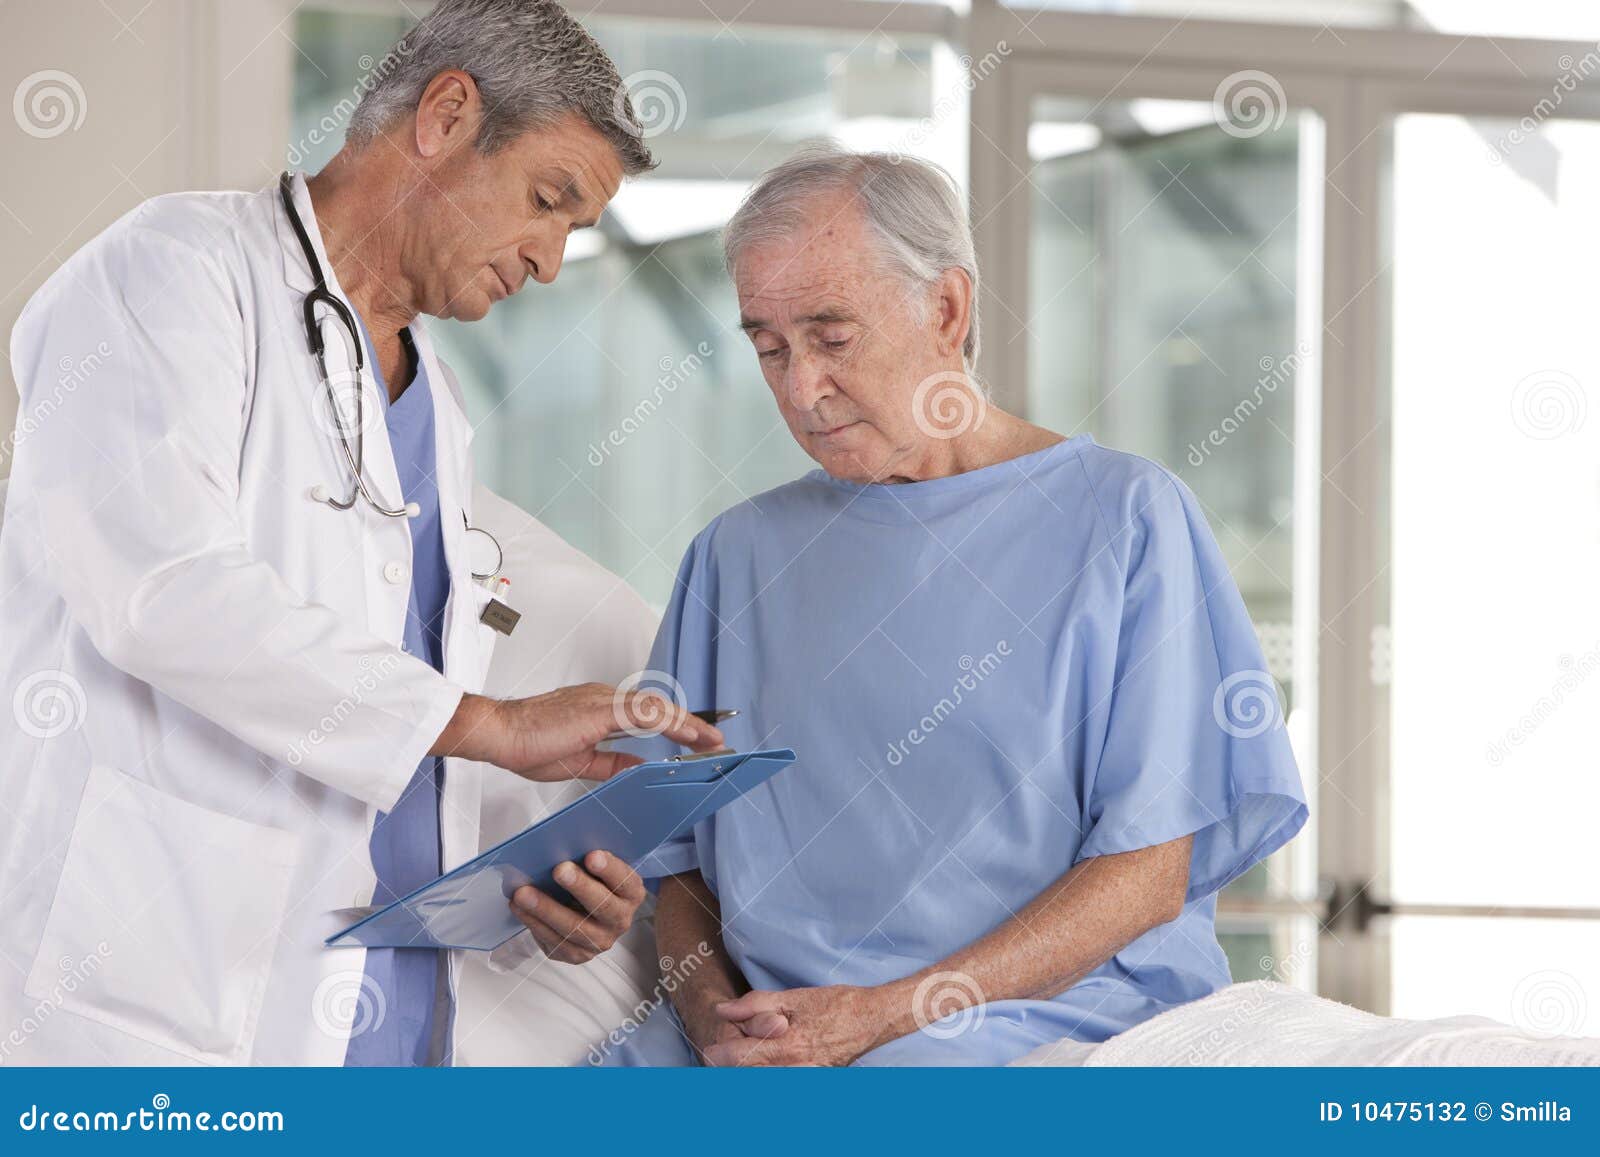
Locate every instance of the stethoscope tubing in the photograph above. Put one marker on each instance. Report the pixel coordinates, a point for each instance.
(355, 459)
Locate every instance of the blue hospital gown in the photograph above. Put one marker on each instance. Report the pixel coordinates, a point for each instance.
(987, 678)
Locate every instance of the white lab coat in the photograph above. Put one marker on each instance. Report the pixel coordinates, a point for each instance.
(203, 663)
(580, 623)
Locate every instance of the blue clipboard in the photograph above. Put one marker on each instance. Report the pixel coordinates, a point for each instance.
(629, 815)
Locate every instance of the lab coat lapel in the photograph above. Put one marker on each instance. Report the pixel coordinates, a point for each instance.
(296, 273)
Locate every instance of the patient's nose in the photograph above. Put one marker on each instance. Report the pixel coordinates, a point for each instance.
(808, 383)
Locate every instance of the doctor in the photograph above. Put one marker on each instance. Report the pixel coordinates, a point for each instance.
(240, 625)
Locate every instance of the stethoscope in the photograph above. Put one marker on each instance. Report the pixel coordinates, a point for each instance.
(354, 457)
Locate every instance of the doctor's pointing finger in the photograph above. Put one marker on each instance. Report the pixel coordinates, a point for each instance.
(244, 550)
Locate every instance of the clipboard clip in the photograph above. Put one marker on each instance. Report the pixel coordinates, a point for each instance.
(691, 756)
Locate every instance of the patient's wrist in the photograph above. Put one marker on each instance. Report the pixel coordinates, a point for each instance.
(697, 1009)
(700, 999)
(895, 1006)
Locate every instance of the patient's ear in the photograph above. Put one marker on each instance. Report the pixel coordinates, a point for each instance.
(953, 310)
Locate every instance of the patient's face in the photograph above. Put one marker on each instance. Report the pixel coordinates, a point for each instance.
(842, 342)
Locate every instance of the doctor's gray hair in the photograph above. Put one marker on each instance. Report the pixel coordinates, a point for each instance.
(913, 207)
(533, 65)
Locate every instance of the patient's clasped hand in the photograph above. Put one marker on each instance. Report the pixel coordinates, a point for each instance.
(1036, 731)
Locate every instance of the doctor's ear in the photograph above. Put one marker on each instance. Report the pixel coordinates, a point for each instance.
(449, 113)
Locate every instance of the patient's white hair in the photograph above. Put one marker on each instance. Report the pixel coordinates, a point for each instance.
(912, 206)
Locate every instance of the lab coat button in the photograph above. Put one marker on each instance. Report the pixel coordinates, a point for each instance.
(396, 572)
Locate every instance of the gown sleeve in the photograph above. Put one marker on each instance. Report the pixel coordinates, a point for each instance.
(683, 663)
(1195, 739)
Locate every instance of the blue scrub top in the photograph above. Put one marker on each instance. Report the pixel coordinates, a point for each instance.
(988, 678)
(401, 986)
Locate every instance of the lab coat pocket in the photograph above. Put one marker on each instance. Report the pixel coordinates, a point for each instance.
(166, 916)
(486, 635)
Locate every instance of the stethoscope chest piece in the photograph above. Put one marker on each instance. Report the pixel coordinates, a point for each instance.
(484, 556)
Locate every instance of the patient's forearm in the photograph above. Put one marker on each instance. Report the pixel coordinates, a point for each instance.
(1067, 931)
(689, 927)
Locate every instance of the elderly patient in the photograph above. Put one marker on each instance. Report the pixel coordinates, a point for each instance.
(1035, 733)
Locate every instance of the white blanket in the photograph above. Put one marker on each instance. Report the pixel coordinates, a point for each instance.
(579, 623)
(1266, 1023)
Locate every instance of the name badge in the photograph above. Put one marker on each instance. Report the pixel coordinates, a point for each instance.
(499, 616)
(498, 613)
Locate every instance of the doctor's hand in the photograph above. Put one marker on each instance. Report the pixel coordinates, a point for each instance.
(832, 1025)
(553, 736)
(610, 893)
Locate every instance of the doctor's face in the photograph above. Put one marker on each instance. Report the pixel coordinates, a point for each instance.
(492, 223)
(843, 342)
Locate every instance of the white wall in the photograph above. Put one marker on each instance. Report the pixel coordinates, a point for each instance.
(175, 94)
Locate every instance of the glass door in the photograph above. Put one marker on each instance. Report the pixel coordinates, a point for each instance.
(1493, 694)
(1172, 310)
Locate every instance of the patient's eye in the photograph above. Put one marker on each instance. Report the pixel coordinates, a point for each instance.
(768, 345)
(834, 338)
